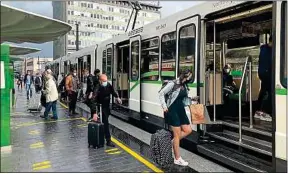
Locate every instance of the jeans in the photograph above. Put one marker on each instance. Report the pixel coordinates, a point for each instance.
(265, 90)
(28, 89)
(48, 107)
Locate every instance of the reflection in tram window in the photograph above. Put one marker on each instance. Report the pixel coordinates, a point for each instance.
(104, 62)
(187, 49)
(134, 60)
(109, 58)
(150, 59)
(283, 74)
(168, 55)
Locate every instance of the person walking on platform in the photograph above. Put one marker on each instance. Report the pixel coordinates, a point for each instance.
(92, 88)
(51, 95)
(174, 111)
(72, 84)
(20, 81)
(38, 83)
(103, 98)
(265, 75)
(28, 81)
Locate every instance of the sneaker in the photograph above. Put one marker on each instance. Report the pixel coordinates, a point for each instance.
(258, 115)
(266, 117)
(180, 162)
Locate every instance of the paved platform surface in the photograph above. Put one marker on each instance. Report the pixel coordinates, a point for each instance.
(60, 146)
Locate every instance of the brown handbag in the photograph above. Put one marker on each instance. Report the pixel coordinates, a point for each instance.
(197, 113)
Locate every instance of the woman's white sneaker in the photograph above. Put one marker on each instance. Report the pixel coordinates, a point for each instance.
(180, 162)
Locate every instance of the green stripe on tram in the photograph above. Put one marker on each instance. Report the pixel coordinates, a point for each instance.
(281, 91)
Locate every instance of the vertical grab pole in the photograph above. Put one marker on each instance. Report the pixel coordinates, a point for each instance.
(214, 73)
(250, 91)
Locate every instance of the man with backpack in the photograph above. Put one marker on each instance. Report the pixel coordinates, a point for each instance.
(28, 81)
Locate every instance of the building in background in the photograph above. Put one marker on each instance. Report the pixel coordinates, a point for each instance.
(98, 21)
(32, 64)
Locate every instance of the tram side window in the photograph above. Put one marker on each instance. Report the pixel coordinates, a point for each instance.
(168, 56)
(134, 60)
(283, 74)
(89, 63)
(109, 58)
(104, 62)
(187, 49)
(150, 59)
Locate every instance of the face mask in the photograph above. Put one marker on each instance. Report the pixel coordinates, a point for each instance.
(227, 70)
(74, 74)
(104, 84)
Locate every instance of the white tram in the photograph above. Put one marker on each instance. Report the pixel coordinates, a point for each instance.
(137, 62)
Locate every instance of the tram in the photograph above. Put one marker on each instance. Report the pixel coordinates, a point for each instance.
(209, 34)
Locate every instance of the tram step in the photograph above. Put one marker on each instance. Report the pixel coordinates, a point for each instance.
(246, 130)
(242, 161)
(246, 142)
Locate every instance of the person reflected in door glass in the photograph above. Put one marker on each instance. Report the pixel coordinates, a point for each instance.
(264, 108)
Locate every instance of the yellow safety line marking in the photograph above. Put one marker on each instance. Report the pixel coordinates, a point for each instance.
(34, 132)
(110, 150)
(63, 105)
(41, 165)
(138, 157)
(41, 122)
(131, 152)
(36, 145)
(145, 171)
(114, 153)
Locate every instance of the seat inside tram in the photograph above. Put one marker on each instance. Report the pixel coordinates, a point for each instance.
(237, 38)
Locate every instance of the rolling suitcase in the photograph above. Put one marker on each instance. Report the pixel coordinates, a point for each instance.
(35, 105)
(96, 132)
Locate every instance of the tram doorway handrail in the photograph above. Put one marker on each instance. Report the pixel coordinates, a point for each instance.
(249, 63)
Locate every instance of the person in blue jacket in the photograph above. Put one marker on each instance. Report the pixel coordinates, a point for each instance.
(265, 75)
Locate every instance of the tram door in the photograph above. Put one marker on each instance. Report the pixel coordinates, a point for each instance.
(134, 79)
(80, 68)
(187, 50)
(109, 60)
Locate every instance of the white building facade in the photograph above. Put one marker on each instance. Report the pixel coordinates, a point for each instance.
(97, 20)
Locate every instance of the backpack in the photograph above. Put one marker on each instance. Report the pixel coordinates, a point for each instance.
(173, 89)
(161, 148)
(38, 81)
(62, 84)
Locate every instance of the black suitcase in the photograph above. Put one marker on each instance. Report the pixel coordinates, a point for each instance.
(96, 132)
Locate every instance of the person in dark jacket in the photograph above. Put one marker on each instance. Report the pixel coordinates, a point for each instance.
(265, 75)
(92, 88)
(104, 92)
(28, 81)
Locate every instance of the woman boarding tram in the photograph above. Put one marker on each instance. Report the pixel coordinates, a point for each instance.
(174, 109)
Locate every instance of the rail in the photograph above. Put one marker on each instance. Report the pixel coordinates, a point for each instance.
(248, 60)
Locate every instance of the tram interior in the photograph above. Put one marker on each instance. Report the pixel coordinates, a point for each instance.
(237, 38)
(123, 74)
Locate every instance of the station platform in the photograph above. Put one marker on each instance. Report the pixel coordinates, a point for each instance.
(62, 146)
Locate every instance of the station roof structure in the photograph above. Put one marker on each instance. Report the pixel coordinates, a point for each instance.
(20, 26)
(17, 52)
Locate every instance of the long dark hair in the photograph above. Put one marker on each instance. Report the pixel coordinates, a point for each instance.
(184, 74)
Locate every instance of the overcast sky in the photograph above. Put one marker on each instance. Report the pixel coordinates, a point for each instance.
(45, 8)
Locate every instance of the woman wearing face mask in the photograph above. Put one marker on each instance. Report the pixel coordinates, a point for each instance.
(72, 85)
(174, 109)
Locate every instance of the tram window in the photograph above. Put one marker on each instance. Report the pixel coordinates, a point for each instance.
(283, 73)
(187, 49)
(109, 58)
(150, 59)
(134, 60)
(89, 63)
(168, 56)
(104, 62)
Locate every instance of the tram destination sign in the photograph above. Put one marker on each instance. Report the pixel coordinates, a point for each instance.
(136, 31)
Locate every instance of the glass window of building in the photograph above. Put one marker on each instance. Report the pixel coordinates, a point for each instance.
(150, 59)
(134, 60)
(187, 49)
(168, 56)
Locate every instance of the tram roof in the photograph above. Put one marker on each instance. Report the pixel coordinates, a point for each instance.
(20, 26)
(16, 50)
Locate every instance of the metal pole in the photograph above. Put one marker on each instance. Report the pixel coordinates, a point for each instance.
(129, 20)
(214, 72)
(77, 37)
(135, 18)
(250, 92)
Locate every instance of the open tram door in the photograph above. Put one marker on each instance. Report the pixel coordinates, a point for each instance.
(134, 77)
(188, 52)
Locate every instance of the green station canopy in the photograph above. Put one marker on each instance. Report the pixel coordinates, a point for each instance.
(20, 26)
